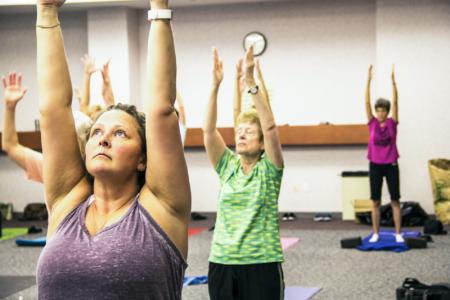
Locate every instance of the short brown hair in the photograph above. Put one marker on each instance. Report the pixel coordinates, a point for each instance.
(383, 103)
(139, 117)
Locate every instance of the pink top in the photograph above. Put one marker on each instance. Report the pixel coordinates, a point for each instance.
(382, 143)
(33, 164)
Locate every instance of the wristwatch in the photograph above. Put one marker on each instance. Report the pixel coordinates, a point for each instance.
(253, 90)
(160, 14)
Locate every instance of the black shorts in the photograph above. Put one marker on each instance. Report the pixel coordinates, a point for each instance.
(376, 174)
(246, 282)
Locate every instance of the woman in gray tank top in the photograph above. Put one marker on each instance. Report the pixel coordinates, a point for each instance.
(119, 230)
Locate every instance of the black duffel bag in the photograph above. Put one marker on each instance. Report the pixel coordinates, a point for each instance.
(412, 289)
(35, 212)
(412, 215)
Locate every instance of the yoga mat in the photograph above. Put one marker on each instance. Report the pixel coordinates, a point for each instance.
(194, 280)
(8, 233)
(288, 242)
(37, 242)
(12, 284)
(192, 231)
(387, 241)
(300, 293)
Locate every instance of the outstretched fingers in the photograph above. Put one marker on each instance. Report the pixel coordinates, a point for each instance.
(5, 84)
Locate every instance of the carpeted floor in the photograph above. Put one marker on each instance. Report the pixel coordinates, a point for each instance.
(316, 261)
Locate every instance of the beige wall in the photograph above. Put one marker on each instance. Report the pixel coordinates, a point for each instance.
(316, 61)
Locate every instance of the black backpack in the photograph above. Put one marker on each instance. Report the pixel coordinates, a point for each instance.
(35, 212)
(412, 289)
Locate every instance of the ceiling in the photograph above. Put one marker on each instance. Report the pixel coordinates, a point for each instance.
(28, 6)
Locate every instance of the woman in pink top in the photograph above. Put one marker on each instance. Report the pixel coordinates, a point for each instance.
(383, 157)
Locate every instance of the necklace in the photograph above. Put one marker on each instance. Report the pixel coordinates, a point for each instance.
(108, 218)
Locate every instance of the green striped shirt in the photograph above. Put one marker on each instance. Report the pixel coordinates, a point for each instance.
(247, 225)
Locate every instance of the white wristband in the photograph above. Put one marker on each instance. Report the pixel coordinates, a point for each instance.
(157, 14)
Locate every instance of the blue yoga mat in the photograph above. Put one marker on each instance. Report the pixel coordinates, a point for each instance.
(300, 293)
(387, 241)
(194, 280)
(37, 242)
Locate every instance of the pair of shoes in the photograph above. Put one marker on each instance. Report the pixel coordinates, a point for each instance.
(197, 217)
(288, 217)
(323, 217)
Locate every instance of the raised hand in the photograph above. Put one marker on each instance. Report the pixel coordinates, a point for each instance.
(370, 72)
(217, 68)
(239, 72)
(13, 94)
(89, 64)
(77, 94)
(55, 3)
(105, 72)
(393, 76)
(249, 67)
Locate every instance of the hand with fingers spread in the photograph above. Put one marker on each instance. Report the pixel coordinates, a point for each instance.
(249, 67)
(13, 92)
(217, 68)
(89, 64)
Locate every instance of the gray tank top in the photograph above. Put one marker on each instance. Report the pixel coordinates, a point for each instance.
(130, 259)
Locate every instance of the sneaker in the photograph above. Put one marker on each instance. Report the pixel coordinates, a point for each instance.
(285, 217)
(318, 217)
(327, 217)
(374, 238)
(399, 238)
(292, 217)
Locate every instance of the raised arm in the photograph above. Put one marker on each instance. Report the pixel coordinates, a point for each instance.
(10, 140)
(107, 92)
(262, 84)
(63, 165)
(272, 145)
(182, 116)
(368, 106)
(214, 144)
(394, 98)
(238, 82)
(89, 69)
(166, 174)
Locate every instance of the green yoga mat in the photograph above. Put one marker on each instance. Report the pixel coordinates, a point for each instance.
(8, 233)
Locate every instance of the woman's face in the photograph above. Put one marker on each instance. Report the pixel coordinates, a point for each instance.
(114, 146)
(382, 114)
(248, 139)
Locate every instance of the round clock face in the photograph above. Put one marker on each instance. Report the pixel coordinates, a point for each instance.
(258, 40)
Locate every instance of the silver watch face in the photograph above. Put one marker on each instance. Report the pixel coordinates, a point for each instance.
(258, 41)
(254, 90)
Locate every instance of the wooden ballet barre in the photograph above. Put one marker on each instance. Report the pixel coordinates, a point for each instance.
(296, 135)
(289, 136)
(29, 139)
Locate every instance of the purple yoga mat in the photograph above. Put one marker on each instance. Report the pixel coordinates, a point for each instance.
(300, 293)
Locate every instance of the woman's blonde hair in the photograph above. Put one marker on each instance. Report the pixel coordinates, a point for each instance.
(250, 116)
